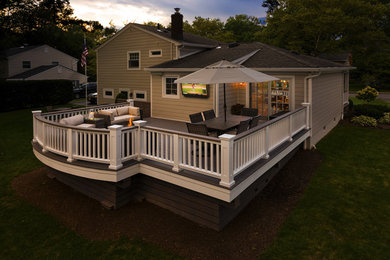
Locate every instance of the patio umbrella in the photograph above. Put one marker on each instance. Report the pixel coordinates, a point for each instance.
(225, 72)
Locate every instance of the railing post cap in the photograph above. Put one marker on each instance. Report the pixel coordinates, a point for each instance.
(305, 104)
(139, 123)
(115, 127)
(226, 137)
(130, 100)
(34, 112)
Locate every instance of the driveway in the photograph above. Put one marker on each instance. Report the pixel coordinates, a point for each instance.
(384, 96)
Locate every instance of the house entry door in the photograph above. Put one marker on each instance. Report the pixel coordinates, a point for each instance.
(259, 97)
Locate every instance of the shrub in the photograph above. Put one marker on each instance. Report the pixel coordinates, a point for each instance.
(350, 104)
(364, 121)
(34, 93)
(121, 95)
(385, 119)
(367, 94)
(375, 111)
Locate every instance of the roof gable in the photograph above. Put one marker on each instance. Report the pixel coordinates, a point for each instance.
(188, 38)
(263, 56)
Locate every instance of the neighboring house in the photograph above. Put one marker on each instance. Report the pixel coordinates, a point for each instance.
(39, 63)
(143, 61)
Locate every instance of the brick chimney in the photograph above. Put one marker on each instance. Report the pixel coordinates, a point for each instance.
(177, 25)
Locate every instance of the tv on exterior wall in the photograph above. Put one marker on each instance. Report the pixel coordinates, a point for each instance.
(195, 90)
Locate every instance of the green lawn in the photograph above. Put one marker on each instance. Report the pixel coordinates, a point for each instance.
(344, 213)
(25, 231)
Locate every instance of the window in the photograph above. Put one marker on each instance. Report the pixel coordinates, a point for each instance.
(280, 96)
(133, 60)
(155, 53)
(26, 64)
(170, 88)
(108, 93)
(140, 95)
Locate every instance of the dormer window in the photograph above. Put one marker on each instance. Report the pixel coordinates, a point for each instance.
(133, 60)
(155, 53)
(26, 64)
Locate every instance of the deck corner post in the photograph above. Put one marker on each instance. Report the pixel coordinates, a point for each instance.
(307, 105)
(131, 102)
(227, 171)
(266, 143)
(139, 139)
(115, 147)
(290, 127)
(177, 152)
(71, 144)
(35, 130)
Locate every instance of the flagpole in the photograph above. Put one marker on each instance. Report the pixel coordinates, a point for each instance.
(85, 72)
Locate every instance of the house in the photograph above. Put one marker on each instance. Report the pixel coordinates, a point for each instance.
(40, 62)
(206, 179)
(143, 61)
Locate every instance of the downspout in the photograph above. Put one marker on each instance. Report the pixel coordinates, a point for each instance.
(308, 99)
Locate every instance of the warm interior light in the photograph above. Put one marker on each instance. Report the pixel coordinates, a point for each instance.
(91, 115)
(130, 122)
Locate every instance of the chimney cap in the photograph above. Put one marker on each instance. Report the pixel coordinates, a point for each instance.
(177, 9)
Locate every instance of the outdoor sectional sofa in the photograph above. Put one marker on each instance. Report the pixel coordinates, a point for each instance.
(119, 115)
(113, 116)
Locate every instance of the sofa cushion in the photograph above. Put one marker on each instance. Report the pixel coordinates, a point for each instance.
(73, 120)
(122, 110)
(134, 111)
(111, 112)
(120, 119)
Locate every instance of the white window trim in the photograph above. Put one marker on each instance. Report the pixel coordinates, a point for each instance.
(139, 61)
(150, 53)
(125, 89)
(108, 89)
(177, 96)
(139, 92)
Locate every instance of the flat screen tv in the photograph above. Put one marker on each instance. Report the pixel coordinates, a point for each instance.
(195, 90)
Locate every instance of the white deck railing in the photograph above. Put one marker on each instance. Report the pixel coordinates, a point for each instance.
(223, 157)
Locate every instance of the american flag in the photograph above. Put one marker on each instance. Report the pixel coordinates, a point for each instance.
(84, 54)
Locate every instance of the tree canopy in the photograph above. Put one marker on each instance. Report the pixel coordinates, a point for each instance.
(330, 26)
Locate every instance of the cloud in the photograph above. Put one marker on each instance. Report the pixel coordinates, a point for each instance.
(123, 11)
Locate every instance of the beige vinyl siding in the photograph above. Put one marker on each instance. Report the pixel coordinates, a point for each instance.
(59, 73)
(112, 71)
(43, 55)
(177, 109)
(327, 104)
(299, 90)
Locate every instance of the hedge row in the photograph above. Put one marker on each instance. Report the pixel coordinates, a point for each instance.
(34, 93)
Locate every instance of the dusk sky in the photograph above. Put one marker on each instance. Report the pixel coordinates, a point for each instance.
(122, 12)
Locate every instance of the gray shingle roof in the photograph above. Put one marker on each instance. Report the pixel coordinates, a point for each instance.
(266, 57)
(32, 72)
(187, 37)
(14, 51)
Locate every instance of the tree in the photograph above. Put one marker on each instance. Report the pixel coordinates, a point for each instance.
(271, 5)
(313, 27)
(244, 28)
(206, 27)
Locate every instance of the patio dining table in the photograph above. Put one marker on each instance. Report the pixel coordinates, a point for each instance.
(221, 126)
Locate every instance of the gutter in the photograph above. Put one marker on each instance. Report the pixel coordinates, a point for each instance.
(335, 69)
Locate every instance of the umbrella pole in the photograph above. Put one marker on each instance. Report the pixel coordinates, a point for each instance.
(224, 99)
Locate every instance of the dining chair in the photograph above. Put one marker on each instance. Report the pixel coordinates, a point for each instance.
(254, 122)
(209, 114)
(243, 126)
(252, 112)
(199, 129)
(196, 118)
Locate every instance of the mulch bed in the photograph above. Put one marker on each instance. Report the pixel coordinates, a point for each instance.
(246, 237)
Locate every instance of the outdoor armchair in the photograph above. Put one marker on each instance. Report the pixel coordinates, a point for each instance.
(196, 118)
